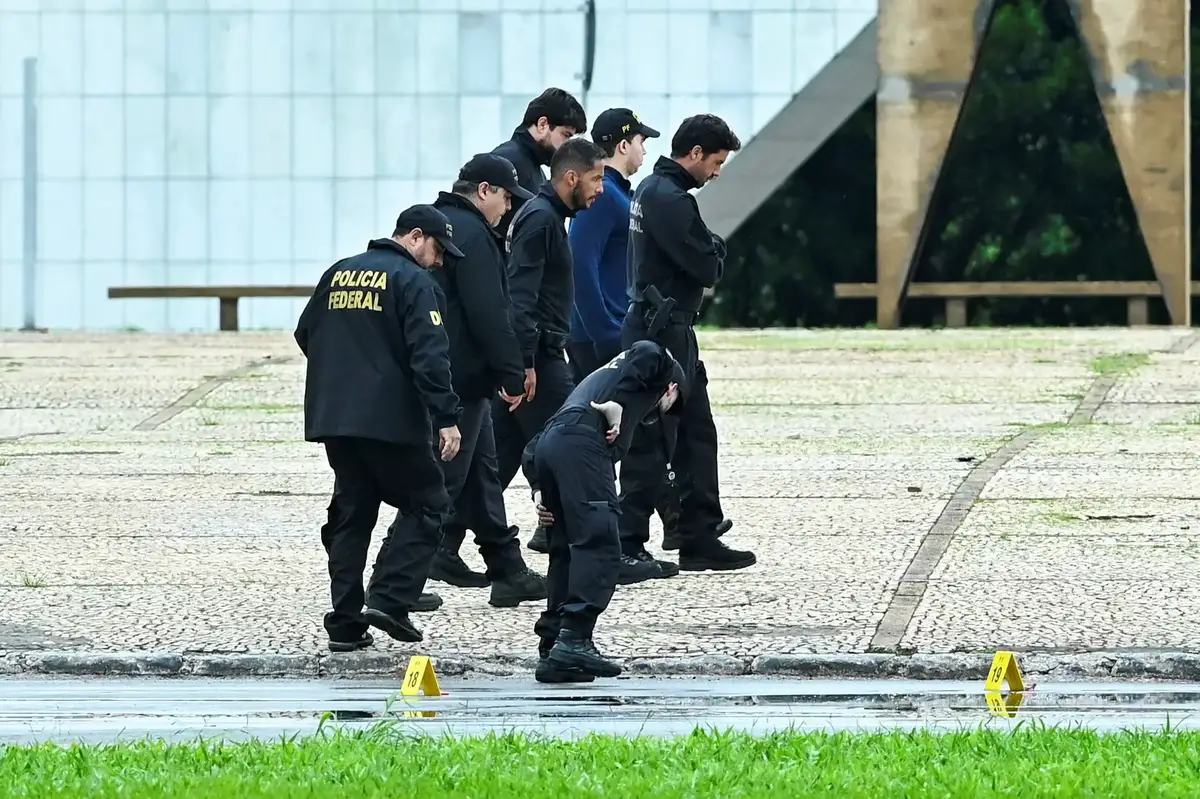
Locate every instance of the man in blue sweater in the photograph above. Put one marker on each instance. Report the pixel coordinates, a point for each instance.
(599, 240)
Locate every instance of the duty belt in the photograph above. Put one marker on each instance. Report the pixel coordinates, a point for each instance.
(552, 341)
(578, 415)
(675, 317)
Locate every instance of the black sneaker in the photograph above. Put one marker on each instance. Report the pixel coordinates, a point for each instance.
(525, 585)
(540, 541)
(665, 567)
(449, 567)
(548, 671)
(397, 627)
(352, 646)
(572, 651)
(712, 554)
(634, 570)
(427, 603)
(672, 540)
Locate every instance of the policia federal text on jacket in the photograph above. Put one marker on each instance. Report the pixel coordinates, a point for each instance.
(571, 464)
(484, 359)
(378, 374)
(673, 257)
(540, 281)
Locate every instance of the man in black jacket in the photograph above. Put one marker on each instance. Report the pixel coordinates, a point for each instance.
(551, 118)
(674, 256)
(570, 468)
(541, 282)
(485, 359)
(378, 375)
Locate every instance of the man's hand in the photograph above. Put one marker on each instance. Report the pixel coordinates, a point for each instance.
(450, 440)
(512, 401)
(545, 517)
(530, 384)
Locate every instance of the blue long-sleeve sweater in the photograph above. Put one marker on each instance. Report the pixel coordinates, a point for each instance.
(599, 238)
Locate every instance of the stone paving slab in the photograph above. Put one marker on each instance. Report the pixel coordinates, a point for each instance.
(145, 540)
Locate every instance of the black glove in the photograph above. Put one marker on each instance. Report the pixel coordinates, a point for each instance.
(719, 243)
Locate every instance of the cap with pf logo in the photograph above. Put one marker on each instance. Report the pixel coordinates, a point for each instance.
(495, 170)
(431, 222)
(617, 123)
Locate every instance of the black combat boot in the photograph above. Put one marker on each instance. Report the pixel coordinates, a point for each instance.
(397, 625)
(449, 567)
(573, 650)
(671, 539)
(427, 603)
(548, 671)
(540, 541)
(363, 642)
(634, 570)
(665, 567)
(524, 585)
(711, 554)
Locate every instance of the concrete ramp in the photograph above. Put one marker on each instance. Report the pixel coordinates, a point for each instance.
(793, 135)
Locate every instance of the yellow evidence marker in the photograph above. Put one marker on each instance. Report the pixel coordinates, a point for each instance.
(1005, 669)
(1004, 705)
(420, 678)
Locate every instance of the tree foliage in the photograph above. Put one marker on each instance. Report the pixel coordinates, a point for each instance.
(1031, 190)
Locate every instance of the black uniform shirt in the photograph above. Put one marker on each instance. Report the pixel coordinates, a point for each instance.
(541, 272)
(670, 247)
(378, 356)
(528, 157)
(635, 379)
(484, 354)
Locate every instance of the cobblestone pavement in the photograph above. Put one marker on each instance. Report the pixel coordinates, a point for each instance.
(919, 491)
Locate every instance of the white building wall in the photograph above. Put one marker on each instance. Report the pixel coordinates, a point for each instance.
(257, 141)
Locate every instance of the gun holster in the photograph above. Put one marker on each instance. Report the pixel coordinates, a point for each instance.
(661, 315)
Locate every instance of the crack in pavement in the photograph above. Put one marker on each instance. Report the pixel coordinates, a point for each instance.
(1185, 343)
(915, 580)
(201, 391)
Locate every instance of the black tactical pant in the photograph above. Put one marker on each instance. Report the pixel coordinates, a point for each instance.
(574, 467)
(366, 473)
(694, 456)
(476, 496)
(515, 429)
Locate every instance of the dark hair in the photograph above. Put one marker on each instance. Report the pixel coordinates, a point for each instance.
(468, 188)
(577, 153)
(610, 147)
(559, 107)
(708, 131)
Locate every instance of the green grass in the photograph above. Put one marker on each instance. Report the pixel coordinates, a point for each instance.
(1119, 364)
(1026, 763)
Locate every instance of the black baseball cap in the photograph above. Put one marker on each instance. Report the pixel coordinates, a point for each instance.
(617, 123)
(495, 170)
(431, 222)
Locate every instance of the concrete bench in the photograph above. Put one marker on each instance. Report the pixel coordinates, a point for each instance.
(228, 296)
(956, 295)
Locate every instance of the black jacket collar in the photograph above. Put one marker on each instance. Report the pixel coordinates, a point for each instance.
(555, 201)
(540, 155)
(450, 199)
(393, 247)
(671, 169)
